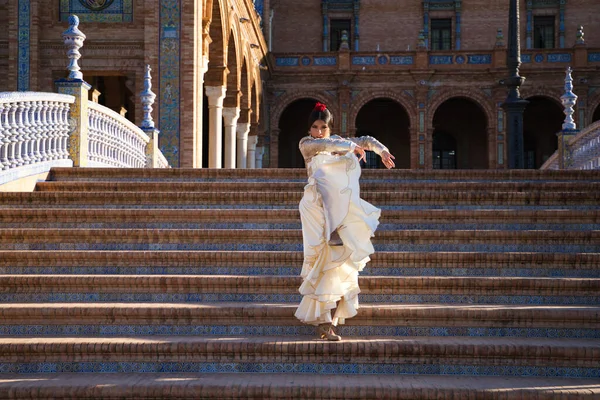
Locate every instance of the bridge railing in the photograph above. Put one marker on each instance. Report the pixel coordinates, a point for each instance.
(581, 151)
(113, 140)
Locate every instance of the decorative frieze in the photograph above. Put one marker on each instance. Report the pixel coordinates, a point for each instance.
(363, 60)
(559, 58)
(106, 11)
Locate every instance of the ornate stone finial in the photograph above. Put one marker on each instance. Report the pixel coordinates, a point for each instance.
(421, 41)
(580, 39)
(73, 39)
(344, 45)
(147, 97)
(568, 100)
(499, 38)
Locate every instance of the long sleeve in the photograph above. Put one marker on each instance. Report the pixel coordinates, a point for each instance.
(369, 143)
(309, 147)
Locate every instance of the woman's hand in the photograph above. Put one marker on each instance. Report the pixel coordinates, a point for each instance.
(388, 159)
(360, 152)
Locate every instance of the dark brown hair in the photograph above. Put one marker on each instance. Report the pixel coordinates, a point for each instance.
(320, 112)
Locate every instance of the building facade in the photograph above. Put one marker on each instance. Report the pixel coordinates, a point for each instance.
(236, 79)
(426, 77)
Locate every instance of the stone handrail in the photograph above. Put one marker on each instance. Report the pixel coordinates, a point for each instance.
(34, 128)
(114, 141)
(583, 150)
(162, 161)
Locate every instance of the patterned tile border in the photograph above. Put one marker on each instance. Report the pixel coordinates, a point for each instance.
(297, 225)
(363, 60)
(295, 330)
(593, 57)
(117, 11)
(295, 271)
(435, 247)
(320, 368)
(24, 21)
(289, 298)
(169, 79)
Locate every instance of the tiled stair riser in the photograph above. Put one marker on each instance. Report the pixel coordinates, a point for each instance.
(591, 248)
(289, 298)
(252, 226)
(318, 368)
(117, 330)
(547, 272)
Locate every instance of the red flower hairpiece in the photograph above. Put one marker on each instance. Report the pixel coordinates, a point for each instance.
(320, 107)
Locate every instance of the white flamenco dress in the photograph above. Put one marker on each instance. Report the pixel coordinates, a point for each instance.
(332, 202)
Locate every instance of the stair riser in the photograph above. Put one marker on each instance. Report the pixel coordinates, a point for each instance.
(508, 226)
(298, 186)
(285, 174)
(497, 248)
(371, 270)
(120, 330)
(204, 298)
(319, 368)
(293, 198)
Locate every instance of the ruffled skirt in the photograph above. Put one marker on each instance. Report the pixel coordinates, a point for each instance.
(332, 202)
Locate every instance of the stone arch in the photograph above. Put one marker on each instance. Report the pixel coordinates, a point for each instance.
(368, 96)
(282, 102)
(246, 89)
(550, 93)
(485, 103)
(593, 109)
(217, 70)
(232, 98)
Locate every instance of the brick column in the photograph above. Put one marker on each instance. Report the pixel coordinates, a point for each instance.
(230, 117)
(215, 95)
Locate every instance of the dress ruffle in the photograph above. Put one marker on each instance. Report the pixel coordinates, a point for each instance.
(330, 273)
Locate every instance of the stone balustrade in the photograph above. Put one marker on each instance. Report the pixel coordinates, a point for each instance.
(34, 128)
(113, 140)
(582, 151)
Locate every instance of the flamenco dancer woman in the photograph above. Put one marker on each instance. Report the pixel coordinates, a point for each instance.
(337, 225)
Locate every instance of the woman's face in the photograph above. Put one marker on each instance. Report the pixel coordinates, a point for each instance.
(319, 129)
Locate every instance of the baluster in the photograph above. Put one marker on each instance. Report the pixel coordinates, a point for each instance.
(55, 131)
(4, 135)
(44, 131)
(27, 134)
(22, 135)
(14, 134)
(92, 135)
(63, 120)
(35, 130)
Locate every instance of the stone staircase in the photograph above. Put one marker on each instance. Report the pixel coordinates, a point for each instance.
(149, 284)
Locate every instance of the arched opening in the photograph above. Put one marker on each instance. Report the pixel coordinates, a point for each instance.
(293, 126)
(387, 121)
(460, 135)
(444, 150)
(542, 120)
(595, 115)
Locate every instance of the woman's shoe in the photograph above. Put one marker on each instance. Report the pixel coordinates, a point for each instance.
(326, 332)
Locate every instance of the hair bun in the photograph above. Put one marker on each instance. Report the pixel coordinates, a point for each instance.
(320, 107)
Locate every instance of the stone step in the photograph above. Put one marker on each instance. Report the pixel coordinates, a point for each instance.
(285, 174)
(287, 199)
(227, 318)
(292, 385)
(435, 217)
(196, 288)
(90, 262)
(289, 239)
(409, 355)
(253, 186)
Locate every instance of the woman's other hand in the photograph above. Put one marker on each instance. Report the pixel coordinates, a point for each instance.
(387, 159)
(360, 152)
